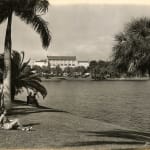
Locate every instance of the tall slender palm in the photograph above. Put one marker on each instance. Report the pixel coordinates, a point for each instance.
(30, 12)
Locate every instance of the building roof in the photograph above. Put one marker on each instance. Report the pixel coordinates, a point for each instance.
(41, 60)
(83, 61)
(61, 57)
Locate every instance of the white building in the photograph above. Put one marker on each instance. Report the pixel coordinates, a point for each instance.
(62, 61)
(40, 63)
(83, 63)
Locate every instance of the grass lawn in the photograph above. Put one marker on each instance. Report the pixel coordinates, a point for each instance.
(58, 129)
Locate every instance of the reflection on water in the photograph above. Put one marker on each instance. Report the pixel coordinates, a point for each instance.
(124, 103)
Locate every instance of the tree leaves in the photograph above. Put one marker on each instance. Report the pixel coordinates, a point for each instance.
(23, 75)
(132, 46)
(39, 25)
(29, 11)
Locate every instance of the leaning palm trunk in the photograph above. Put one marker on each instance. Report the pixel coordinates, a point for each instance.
(7, 66)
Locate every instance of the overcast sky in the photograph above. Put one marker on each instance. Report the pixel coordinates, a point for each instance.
(85, 31)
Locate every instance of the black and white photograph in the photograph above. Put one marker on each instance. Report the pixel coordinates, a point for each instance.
(75, 74)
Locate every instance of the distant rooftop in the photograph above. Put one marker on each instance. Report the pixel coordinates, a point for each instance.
(83, 61)
(41, 60)
(61, 57)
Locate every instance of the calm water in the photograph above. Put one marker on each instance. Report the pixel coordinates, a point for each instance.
(124, 103)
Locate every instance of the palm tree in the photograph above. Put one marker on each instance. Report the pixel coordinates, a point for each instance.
(132, 48)
(139, 29)
(23, 76)
(120, 59)
(30, 12)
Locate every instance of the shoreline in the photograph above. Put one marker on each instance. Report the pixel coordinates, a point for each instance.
(90, 79)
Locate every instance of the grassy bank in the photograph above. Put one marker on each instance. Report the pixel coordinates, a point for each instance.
(60, 129)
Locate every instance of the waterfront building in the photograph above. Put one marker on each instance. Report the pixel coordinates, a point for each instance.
(62, 61)
(83, 63)
(40, 63)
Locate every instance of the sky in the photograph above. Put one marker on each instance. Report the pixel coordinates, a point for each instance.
(112, 2)
(81, 28)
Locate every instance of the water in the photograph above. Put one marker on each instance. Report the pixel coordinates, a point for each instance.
(124, 103)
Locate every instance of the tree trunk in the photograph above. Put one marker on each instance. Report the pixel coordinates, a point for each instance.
(7, 65)
(12, 93)
(149, 72)
(13, 97)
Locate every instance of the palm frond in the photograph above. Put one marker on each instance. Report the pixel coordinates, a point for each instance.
(29, 76)
(21, 62)
(22, 75)
(4, 9)
(36, 86)
(139, 27)
(16, 57)
(41, 6)
(24, 65)
(3, 17)
(120, 37)
(39, 25)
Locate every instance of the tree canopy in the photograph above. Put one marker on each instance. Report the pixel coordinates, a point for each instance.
(23, 75)
(30, 12)
(131, 52)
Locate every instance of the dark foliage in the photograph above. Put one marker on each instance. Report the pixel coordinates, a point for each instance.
(29, 11)
(131, 53)
(23, 76)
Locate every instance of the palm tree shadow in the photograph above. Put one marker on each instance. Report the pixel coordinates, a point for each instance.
(125, 134)
(31, 124)
(122, 137)
(94, 143)
(23, 109)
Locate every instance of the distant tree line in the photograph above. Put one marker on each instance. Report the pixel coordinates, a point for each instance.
(101, 70)
(97, 70)
(47, 72)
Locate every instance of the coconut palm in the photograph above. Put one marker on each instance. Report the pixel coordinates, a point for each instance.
(132, 48)
(23, 77)
(140, 30)
(30, 12)
(120, 58)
